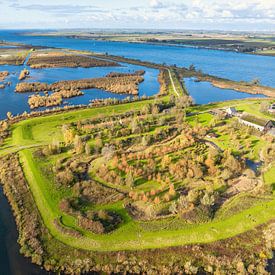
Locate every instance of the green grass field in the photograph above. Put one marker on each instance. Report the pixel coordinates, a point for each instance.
(131, 235)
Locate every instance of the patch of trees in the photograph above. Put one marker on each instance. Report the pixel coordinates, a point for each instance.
(99, 222)
(164, 81)
(4, 75)
(54, 99)
(95, 193)
(4, 130)
(120, 85)
(70, 171)
(28, 221)
(196, 206)
(65, 230)
(115, 74)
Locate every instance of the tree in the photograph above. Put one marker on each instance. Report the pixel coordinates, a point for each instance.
(4, 126)
(68, 134)
(232, 164)
(155, 109)
(134, 125)
(208, 199)
(78, 144)
(165, 161)
(156, 200)
(129, 180)
(98, 144)
(108, 152)
(150, 212)
(144, 140)
(183, 204)
(172, 191)
(65, 177)
(87, 149)
(173, 207)
(9, 115)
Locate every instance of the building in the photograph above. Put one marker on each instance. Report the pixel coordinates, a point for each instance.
(271, 132)
(251, 124)
(271, 108)
(231, 111)
(270, 125)
(257, 123)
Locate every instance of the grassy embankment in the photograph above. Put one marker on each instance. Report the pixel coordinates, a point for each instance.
(131, 235)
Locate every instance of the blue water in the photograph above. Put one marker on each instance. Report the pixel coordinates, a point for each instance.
(18, 103)
(231, 65)
(204, 93)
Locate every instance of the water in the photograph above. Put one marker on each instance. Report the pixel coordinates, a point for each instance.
(18, 103)
(204, 92)
(11, 261)
(231, 65)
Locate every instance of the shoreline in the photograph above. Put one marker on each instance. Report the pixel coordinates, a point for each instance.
(178, 45)
(17, 263)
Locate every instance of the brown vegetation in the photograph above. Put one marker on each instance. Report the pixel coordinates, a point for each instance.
(3, 75)
(164, 80)
(12, 57)
(239, 86)
(28, 221)
(24, 73)
(4, 130)
(54, 99)
(121, 85)
(95, 193)
(59, 59)
(99, 222)
(114, 74)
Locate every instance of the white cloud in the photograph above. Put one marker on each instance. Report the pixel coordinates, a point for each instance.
(149, 13)
(156, 4)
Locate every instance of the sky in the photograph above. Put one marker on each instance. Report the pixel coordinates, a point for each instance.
(250, 15)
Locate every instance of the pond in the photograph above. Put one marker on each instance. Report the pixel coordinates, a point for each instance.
(18, 103)
(204, 92)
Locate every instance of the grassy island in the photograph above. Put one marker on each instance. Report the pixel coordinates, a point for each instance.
(142, 176)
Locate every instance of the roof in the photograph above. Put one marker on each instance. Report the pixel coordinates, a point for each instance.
(232, 109)
(272, 122)
(255, 120)
(271, 132)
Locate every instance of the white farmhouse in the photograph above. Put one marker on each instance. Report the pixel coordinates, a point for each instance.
(231, 111)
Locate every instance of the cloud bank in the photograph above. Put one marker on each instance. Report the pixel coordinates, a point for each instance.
(234, 14)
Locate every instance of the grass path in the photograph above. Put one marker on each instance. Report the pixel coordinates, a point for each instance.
(173, 84)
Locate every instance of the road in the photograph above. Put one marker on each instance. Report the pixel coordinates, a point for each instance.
(173, 84)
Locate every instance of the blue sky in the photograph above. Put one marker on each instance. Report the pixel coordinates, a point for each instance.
(153, 14)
